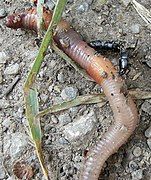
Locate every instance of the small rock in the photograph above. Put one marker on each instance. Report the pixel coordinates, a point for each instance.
(60, 77)
(89, 1)
(50, 4)
(83, 8)
(4, 104)
(146, 106)
(135, 28)
(133, 166)
(15, 144)
(137, 151)
(2, 170)
(69, 93)
(3, 13)
(148, 132)
(57, 100)
(137, 174)
(64, 119)
(78, 129)
(6, 122)
(149, 142)
(70, 1)
(44, 97)
(62, 141)
(54, 119)
(3, 57)
(126, 2)
(12, 69)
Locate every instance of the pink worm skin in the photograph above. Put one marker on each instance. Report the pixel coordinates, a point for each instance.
(104, 73)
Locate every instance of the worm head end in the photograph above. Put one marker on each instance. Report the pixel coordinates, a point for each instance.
(14, 21)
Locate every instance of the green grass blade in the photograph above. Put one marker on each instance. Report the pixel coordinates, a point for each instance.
(30, 93)
(32, 109)
(45, 43)
(91, 99)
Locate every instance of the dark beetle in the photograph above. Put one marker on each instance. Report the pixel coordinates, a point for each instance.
(99, 45)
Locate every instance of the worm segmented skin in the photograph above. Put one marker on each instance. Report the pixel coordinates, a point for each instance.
(104, 73)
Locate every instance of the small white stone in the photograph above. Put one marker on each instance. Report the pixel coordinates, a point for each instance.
(149, 142)
(135, 28)
(148, 132)
(137, 151)
(12, 69)
(3, 57)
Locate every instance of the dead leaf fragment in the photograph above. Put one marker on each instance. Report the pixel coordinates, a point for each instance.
(22, 171)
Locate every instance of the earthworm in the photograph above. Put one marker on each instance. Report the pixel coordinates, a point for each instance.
(103, 72)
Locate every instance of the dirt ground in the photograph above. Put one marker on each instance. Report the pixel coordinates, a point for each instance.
(59, 81)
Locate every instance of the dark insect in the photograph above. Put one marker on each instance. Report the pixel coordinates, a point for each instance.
(123, 62)
(99, 45)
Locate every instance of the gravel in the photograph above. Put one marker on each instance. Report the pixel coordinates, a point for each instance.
(12, 69)
(3, 57)
(77, 130)
(146, 106)
(64, 119)
(135, 28)
(15, 144)
(137, 174)
(137, 151)
(3, 13)
(83, 8)
(149, 143)
(69, 93)
(148, 132)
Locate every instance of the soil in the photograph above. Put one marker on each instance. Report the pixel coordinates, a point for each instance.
(110, 21)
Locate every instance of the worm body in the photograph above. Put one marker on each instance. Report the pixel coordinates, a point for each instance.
(104, 73)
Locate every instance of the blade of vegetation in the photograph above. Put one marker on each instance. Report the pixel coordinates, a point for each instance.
(90, 99)
(40, 4)
(71, 62)
(32, 109)
(47, 40)
(143, 12)
(87, 99)
(30, 93)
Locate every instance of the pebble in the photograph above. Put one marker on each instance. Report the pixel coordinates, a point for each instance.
(137, 151)
(83, 8)
(3, 57)
(2, 171)
(57, 100)
(64, 119)
(6, 122)
(61, 78)
(146, 106)
(62, 140)
(133, 166)
(69, 93)
(136, 175)
(50, 4)
(12, 69)
(4, 104)
(15, 144)
(78, 129)
(148, 132)
(3, 13)
(70, 1)
(54, 119)
(149, 142)
(135, 28)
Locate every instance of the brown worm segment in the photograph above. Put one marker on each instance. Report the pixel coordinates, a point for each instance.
(104, 73)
